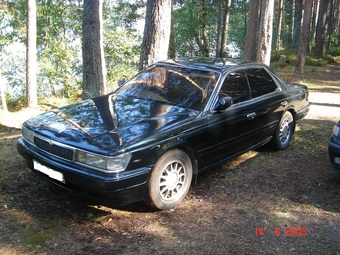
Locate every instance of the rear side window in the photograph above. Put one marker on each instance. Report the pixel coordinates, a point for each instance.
(236, 86)
(260, 82)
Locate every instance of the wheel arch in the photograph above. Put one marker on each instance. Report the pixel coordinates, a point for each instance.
(294, 114)
(184, 147)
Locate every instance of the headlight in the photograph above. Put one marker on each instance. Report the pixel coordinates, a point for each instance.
(108, 164)
(336, 130)
(28, 135)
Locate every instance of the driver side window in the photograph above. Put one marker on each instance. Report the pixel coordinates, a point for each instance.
(236, 86)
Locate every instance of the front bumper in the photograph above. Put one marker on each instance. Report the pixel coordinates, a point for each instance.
(98, 188)
(334, 153)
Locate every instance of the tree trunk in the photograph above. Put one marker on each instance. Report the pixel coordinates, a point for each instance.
(265, 32)
(297, 22)
(202, 38)
(157, 27)
(337, 22)
(292, 21)
(94, 80)
(250, 45)
(279, 25)
(225, 28)
(313, 26)
(172, 46)
(330, 25)
(31, 65)
(320, 37)
(300, 65)
(219, 28)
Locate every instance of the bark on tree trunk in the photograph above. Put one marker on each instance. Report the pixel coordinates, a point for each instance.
(202, 39)
(297, 22)
(320, 36)
(172, 46)
(155, 43)
(250, 44)
(279, 26)
(219, 29)
(300, 65)
(225, 28)
(94, 73)
(265, 32)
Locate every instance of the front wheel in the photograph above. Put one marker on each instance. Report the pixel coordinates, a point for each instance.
(284, 131)
(170, 180)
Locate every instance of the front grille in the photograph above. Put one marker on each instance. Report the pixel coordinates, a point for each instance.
(62, 152)
(42, 144)
(54, 148)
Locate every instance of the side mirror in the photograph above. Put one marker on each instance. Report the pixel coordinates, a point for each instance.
(121, 82)
(223, 103)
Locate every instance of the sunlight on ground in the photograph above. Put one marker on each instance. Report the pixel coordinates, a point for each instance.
(15, 119)
(301, 213)
(234, 163)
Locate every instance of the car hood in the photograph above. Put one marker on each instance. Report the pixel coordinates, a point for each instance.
(108, 123)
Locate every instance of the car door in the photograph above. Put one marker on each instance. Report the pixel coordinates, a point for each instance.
(268, 102)
(231, 130)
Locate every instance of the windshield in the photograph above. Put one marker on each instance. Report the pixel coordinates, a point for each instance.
(177, 86)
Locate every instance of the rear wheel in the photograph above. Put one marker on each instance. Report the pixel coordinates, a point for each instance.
(284, 131)
(170, 180)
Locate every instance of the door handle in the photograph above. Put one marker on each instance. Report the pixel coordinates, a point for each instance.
(251, 116)
(284, 103)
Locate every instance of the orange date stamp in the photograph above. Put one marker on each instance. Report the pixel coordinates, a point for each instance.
(289, 231)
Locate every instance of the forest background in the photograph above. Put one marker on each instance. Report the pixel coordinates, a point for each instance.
(230, 28)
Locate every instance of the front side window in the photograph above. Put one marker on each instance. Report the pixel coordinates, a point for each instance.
(236, 86)
(260, 82)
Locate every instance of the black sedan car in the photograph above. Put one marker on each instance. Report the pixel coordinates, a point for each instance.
(169, 123)
(334, 147)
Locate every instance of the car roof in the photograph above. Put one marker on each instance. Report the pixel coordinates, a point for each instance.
(213, 64)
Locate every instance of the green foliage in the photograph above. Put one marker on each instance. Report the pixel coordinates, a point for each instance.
(16, 104)
(291, 56)
(61, 69)
(122, 59)
(279, 65)
(312, 61)
(122, 40)
(124, 14)
(186, 24)
(290, 53)
(12, 69)
(238, 23)
(334, 52)
(12, 21)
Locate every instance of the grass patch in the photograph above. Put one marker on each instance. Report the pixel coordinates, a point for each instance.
(3, 184)
(230, 175)
(35, 237)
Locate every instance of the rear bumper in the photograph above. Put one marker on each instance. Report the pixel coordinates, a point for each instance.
(334, 153)
(97, 188)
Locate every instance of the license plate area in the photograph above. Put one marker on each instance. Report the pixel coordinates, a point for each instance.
(48, 171)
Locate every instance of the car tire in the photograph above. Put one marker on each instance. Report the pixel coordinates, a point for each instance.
(284, 132)
(170, 180)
